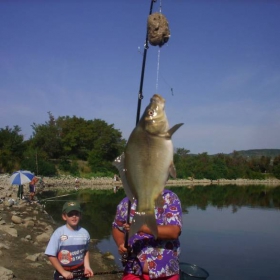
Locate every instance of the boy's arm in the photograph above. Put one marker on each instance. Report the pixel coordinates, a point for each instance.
(56, 264)
(88, 271)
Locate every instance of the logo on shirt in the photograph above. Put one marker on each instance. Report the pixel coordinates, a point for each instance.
(64, 256)
(63, 237)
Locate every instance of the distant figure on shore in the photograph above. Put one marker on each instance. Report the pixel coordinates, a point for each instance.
(116, 178)
(20, 191)
(77, 184)
(32, 189)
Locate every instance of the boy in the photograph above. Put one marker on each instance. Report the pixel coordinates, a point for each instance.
(68, 247)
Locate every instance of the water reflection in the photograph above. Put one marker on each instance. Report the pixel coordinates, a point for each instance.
(99, 207)
(231, 231)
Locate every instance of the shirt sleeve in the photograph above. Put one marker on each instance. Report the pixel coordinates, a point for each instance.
(121, 215)
(88, 241)
(172, 209)
(53, 245)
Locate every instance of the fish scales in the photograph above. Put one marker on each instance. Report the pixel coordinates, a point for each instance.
(147, 163)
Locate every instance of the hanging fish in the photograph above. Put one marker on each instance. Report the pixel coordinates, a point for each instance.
(147, 163)
(158, 29)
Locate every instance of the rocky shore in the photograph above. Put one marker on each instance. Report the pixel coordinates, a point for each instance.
(67, 183)
(25, 230)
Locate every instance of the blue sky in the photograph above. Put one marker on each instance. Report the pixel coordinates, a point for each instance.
(82, 58)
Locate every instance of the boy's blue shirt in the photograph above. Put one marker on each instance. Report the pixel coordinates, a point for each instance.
(69, 246)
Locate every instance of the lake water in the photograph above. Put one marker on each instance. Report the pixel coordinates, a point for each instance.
(232, 232)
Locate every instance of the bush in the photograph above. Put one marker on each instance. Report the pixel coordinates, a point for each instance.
(44, 168)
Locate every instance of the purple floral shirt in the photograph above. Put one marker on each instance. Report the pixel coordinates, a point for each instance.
(162, 256)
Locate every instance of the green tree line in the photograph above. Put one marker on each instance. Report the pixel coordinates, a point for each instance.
(61, 144)
(222, 166)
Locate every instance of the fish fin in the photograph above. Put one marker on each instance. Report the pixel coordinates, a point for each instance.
(159, 202)
(172, 130)
(172, 170)
(144, 219)
(119, 163)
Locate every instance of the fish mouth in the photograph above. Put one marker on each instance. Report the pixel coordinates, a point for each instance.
(152, 112)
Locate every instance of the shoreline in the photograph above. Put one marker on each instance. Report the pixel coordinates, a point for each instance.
(67, 183)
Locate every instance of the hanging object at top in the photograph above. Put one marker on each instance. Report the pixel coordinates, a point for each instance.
(158, 29)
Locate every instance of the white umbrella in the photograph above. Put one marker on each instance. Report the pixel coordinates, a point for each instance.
(21, 177)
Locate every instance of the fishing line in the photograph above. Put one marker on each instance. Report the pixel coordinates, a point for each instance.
(157, 70)
(45, 199)
(171, 88)
(55, 200)
(160, 6)
(158, 63)
(158, 58)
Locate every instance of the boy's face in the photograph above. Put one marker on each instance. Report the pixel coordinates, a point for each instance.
(72, 218)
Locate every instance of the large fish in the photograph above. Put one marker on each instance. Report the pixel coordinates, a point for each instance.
(147, 163)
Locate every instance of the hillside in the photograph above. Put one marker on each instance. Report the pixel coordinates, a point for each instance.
(259, 153)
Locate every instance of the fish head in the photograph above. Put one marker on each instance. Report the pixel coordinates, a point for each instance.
(154, 119)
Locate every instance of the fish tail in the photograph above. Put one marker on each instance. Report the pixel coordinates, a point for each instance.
(145, 219)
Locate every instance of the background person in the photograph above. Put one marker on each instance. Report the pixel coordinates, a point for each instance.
(68, 247)
(116, 178)
(32, 188)
(20, 191)
(151, 258)
(77, 184)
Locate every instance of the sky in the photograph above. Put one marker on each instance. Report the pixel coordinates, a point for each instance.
(219, 72)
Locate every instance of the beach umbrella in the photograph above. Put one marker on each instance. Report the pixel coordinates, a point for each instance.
(21, 177)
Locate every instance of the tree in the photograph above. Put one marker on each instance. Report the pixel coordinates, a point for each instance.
(11, 148)
(77, 136)
(81, 137)
(276, 167)
(107, 145)
(220, 166)
(181, 161)
(71, 138)
(46, 137)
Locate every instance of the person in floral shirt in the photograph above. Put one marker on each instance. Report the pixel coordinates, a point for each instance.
(151, 258)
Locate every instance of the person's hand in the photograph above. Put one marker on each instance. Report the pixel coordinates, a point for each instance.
(122, 249)
(67, 274)
(126, 227)
(88, 272)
